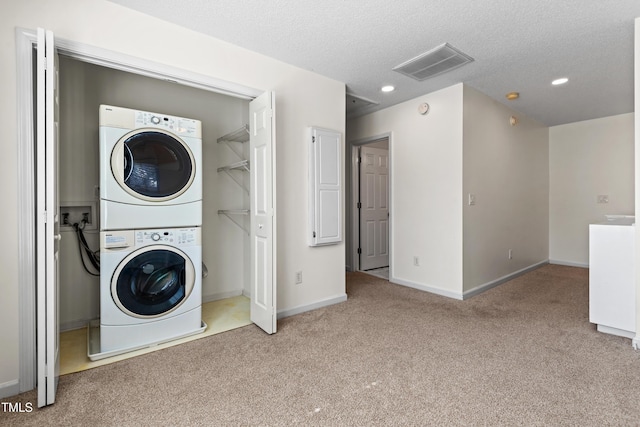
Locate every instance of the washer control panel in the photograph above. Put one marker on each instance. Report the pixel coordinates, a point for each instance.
(173, 236)
(126, 240)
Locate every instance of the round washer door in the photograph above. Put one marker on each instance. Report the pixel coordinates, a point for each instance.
(153, 281)
(153, 165)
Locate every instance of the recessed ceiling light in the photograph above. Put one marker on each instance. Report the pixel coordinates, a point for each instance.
(560, 81)
(388, 88)
(512, 95)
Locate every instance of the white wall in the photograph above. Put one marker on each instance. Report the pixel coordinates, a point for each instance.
(109, 26)
(587, 159)
(426, 188)
(464, 145)
(506, 169)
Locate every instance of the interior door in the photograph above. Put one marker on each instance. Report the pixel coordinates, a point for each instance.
(374, 208)
(47, 221)
(262, 235)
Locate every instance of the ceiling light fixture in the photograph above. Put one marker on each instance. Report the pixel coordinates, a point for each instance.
(512, 95)
(560, 81)
(388, 88)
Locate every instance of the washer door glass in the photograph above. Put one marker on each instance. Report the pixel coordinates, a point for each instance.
(152, 283)
(157, 165)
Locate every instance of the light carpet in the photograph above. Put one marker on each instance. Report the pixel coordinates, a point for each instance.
(521, 354)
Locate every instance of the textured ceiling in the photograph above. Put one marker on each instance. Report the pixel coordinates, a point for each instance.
(516, 45)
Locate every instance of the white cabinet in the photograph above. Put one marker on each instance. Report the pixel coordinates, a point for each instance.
(612, 294)
(325, 187)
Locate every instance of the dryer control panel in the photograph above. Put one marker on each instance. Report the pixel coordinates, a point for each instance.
(125, 118)
(177, 125)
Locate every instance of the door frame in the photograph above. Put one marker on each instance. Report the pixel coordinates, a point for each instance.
(25, 42)
(354, 147)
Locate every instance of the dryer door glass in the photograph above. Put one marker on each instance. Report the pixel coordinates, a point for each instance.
(152, 283)
(157, 165)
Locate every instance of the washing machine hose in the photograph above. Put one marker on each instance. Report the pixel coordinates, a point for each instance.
(93, 256)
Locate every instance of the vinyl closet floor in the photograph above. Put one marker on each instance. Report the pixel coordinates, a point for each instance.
(220, 316)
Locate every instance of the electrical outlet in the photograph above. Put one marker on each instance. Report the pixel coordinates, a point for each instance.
(510, 255)
(416, 261)
(298, 277)
(472, 199)
(603, 198)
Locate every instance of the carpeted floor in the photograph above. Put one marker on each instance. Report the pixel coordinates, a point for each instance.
(382, 272)
(523, 353)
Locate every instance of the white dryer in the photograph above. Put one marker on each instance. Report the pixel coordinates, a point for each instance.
(150, 286)
(150, 170)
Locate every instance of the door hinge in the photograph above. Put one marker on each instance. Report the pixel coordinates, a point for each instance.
(359, 205)
(359, 251)
(314, 234)
(313, 139)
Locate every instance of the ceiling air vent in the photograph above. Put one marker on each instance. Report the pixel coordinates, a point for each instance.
(437, 61)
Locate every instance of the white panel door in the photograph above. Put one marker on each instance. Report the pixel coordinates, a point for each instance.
(47, 221)
(262, 175)
(374, 208)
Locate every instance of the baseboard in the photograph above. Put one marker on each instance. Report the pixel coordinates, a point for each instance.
(568, 263)
(485, 287)
(221, 295)
(617, 332)
(10, 388)
(318, 304)
(430, 289)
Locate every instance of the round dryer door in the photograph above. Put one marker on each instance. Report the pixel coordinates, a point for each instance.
(153, 165)
(152, 281)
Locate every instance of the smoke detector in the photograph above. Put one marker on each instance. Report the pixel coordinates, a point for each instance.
(434, 62)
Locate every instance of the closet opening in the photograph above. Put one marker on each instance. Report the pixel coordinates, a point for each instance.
(83, 87)
(225, 106)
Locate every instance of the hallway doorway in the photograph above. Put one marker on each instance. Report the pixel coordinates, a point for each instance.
(370, 203)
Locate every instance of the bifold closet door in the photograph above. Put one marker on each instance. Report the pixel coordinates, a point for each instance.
(47, 218)
(262, 176)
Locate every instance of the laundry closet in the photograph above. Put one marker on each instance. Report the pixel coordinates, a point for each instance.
(83, 87)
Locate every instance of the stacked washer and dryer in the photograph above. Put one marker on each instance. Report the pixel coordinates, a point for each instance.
(150, 228)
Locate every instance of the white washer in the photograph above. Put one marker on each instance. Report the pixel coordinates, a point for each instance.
(150, 286)
(150, 170)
